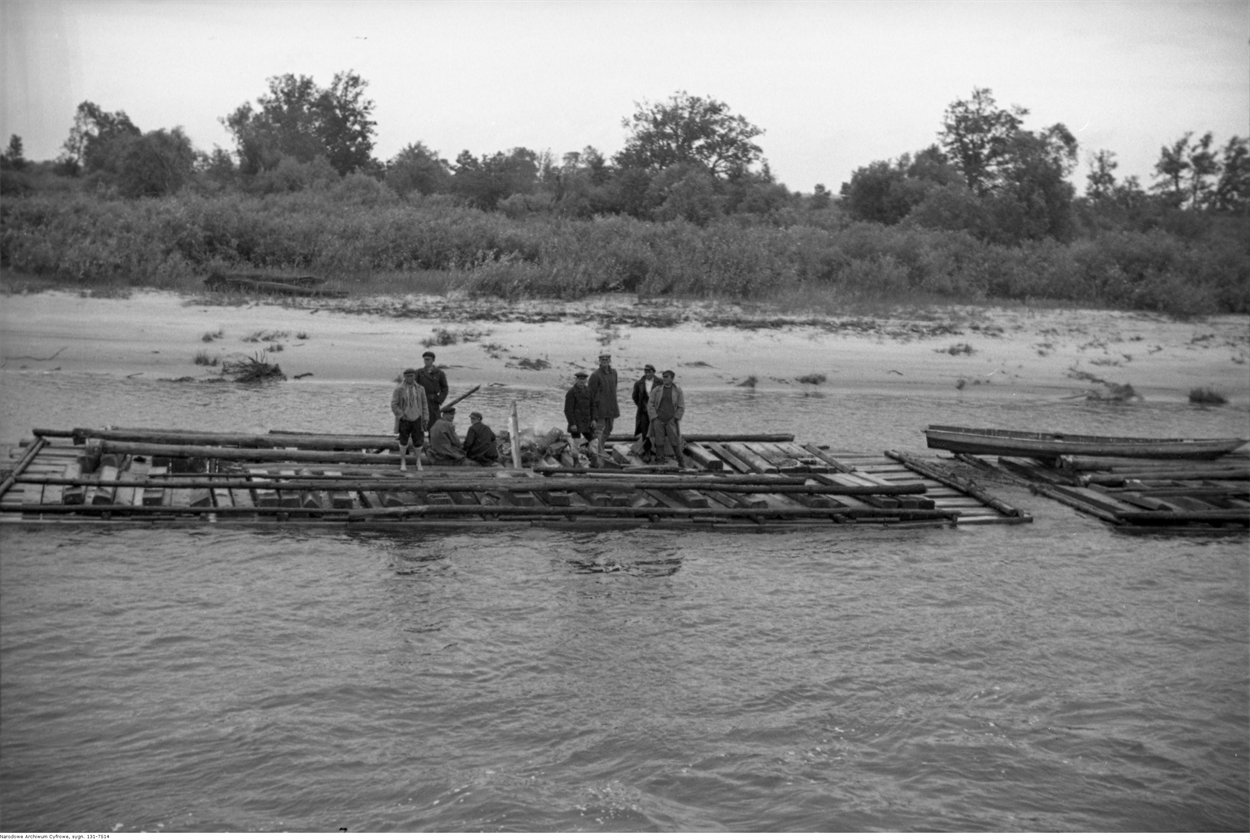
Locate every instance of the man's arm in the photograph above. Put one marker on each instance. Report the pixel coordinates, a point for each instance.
(442, 387)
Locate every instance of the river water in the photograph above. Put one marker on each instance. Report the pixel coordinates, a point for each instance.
(1057, 676)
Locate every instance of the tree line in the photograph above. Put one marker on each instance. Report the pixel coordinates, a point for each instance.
(687, 157)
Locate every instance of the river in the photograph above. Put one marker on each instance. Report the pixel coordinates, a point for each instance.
(1057, 676)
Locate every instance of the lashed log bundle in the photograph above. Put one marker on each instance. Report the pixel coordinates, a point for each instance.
(171, 476)
(1205, 495)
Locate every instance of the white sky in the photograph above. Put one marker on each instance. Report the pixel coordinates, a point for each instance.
(835, 85)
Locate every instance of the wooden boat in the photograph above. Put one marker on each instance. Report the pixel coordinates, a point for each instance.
(1053, 444)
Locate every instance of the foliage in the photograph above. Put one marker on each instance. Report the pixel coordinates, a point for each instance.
(93, 139)
(297, 119)
(12, 157)
(417, 169)
(689, 130)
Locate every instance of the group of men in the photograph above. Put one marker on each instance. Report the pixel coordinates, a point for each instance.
(590, 407)
(418, 399)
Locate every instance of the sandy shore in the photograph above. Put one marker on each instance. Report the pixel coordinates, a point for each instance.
(1020, 351)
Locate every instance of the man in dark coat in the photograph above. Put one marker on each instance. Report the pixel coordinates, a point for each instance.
(603, 405)
(577, 410)
(445, 449)
(479, 442)
(434, 381)
(642, 421)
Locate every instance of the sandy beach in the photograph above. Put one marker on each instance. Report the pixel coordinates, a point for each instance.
(1016, 351)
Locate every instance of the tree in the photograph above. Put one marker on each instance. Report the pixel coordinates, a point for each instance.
(821, 197)
(689, 129)
(13, 157)
(155, 164)
(96, 139)
(977, 135)
(300, 120)
(1202, 166)
(1100, 183)
(417, 169)
(1170, 170)
(486, 181)
(886, 192)
(1232, 192)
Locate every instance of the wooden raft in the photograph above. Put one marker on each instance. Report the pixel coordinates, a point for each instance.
(1149, 495)
(172, 477)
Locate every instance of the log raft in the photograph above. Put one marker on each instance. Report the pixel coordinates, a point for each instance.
(1136, 495)
(171, 477)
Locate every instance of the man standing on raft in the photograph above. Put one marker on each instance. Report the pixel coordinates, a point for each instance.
(412, 415)
(603, 405)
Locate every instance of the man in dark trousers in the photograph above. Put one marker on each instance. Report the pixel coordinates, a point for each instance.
(666, 408)
(577, 410)
(479, 442)
(603, 405)
(642, 420)
(434, 381)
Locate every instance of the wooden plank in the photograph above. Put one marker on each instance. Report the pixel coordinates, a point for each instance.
(730, 458)
(703, 457)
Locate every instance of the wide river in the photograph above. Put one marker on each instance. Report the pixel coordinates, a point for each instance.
(1057, 676)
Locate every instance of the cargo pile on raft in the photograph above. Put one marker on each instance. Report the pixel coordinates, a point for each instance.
(1136, 484)
(170, 477)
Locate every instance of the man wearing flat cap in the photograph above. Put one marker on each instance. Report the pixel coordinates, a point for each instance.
(434, 381)
(412, 415)
(445, 448)
(577, 410)
(603, 405)
(666, 408)
(479, 442)
(642, 420)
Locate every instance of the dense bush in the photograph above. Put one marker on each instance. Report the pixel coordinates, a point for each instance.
(357, 226)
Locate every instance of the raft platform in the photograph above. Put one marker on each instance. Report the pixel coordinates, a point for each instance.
(1141, 494)
(167, 477)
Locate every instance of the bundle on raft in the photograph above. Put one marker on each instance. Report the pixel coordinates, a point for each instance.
(171, 476)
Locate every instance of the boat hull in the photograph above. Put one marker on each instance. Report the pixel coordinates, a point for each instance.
(1054, 444)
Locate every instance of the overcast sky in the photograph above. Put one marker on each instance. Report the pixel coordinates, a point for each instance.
(835, 85)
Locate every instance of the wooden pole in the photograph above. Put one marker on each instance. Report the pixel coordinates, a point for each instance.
(270, 441)
(467, 393)
(514, 433)
(244, 454)
(716, 438)
(268, 482)
(31, 452)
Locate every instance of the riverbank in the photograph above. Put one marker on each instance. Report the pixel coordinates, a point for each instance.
(539, 344)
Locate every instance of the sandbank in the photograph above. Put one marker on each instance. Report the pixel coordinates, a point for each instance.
(1022, 351)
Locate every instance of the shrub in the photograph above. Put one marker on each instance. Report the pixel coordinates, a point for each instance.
(1206, 396)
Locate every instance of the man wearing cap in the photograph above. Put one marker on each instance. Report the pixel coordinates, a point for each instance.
(412, 413)
(642, 420)
(603, 405)
(434, 381)
(445, 448)
(479, 442)
(666, 408)
(577, 410)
